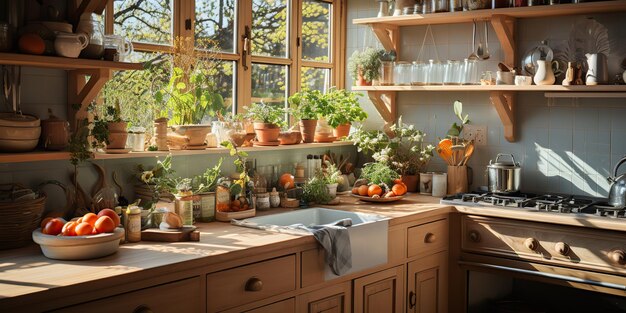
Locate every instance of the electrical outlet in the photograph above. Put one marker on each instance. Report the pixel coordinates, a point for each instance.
(478, 133)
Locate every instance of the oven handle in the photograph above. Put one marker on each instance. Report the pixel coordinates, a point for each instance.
(547, 275)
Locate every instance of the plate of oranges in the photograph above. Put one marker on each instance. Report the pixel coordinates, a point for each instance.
(372, 192)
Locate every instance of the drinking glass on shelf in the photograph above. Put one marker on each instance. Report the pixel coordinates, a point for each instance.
(435, 72)
(452, 74)
(440, 6)
(419, 74)
(402, 73)
(386, 73)
(470, 72)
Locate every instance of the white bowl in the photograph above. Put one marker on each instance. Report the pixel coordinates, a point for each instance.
(78, 247)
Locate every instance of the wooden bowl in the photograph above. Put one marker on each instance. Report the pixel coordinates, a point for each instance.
(20, 133)
(78, 247)
(8, 145)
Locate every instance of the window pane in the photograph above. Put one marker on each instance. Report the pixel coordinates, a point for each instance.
(215, 24)
(223, 76)
(269, 84)
(269, 27)
(315, 30)
(315, 79)
(148, 21)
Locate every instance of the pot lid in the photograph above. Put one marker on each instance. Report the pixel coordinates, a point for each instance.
(503, 164)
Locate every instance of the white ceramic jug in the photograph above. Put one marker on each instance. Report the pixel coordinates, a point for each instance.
(544, 74)
(70, 45)
(597, 72)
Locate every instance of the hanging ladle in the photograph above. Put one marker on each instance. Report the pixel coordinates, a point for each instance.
(473, 55)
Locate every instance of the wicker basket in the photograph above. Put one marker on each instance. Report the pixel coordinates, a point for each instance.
(18, 218)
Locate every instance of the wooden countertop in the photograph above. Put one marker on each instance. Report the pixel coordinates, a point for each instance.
(26, 272)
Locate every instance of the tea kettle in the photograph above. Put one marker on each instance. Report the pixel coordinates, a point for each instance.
(617, 193)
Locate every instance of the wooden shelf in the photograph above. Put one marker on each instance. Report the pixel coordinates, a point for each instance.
(550, 88)
(521, 12)
(36, 156)
(44, 61)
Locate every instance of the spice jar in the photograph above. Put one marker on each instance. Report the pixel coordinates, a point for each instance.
(263, 201)
(274, 198)
(222, 196)
(184, 206)
(133, 226)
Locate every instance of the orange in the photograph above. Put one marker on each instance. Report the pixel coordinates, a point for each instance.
(286, 181)
(363, 190)
(45, 221)
(53, 227)
(110, 213)
(398, 181)
(69, 229)
(355, 190)
(90, 218)
(31, 43)
(84, 229)
(105, 224)
(374, 190)
(399, 189)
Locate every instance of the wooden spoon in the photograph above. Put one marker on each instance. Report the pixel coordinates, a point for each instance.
(445, 150)
(469, 150)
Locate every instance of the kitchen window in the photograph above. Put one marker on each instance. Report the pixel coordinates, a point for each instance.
(266, 49)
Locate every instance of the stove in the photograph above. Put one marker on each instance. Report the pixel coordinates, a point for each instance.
(554, 203)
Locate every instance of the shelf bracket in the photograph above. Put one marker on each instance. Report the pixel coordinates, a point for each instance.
(82, 88)
(388, 35)
(504, 102)
(504, 27)
(385, 104)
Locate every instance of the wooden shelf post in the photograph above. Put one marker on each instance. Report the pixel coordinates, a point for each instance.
(388, 35)
(82, 88)
(385, 104)
(504, 102)
(504, 27)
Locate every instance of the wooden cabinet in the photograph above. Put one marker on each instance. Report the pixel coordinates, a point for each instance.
(426, 239)
(381, 292)
(180, 296)
(427, 281)
(285, 306)
(333, 299)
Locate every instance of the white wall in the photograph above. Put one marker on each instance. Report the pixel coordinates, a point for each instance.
(564, 145)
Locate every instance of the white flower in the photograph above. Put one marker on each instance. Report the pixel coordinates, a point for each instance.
(146, 176)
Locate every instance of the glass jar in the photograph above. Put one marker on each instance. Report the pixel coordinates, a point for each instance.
(383, 9)
(427, 7)
(456, 5)
(6, 37)
(435, 72)
(470, 5)
(452, 74)
(386, 73)
(440, 6)
(470, 72)
(419, 74)
(402, 73)
(496, 4)
(184, 206)
(95, 32)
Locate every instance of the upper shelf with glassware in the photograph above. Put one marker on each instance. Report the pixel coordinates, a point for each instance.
(44, 61)
(486, 14)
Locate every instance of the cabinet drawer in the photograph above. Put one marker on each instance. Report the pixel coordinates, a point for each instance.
(180, 296)
(427, 238)
(285, 306)
(249, 283)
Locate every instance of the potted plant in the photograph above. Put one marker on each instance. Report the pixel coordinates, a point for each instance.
(307, 106)
(204, 186)
(109, 129)
(316, 190)
(344, 110)
(267, 122)
(364, 66)
(402, 149)
(332, 176)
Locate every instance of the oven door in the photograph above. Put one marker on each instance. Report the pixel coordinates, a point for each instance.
(503, 285)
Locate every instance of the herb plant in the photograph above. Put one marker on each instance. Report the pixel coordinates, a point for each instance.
(264, 113)
(344, 108)
(367, 63)
(316, 189)
(207, 182)
(308, 105)
(332, 174)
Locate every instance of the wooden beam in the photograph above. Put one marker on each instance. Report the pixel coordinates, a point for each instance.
(81, 92)
(388, 35)
(504, 27)
(504, 105)
(385, 104)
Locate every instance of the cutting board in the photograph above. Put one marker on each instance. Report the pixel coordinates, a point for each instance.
(187, 233)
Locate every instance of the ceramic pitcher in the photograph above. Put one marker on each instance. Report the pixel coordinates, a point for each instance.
(597, 72)
(544, 74)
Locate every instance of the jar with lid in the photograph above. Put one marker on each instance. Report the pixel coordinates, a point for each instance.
(91, 27)
(274, 198)
(263, 201)
(133, 224)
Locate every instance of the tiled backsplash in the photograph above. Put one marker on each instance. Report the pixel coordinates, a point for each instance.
(564, 145)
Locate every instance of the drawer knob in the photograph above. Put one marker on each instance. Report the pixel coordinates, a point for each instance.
(142, 309)
(562, 248)
(474, 236)
(618, 256)
(531, 244)
(254, 284)
(430, 238)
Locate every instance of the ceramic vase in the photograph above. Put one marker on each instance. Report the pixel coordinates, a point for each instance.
(545, 74)
(597, 72)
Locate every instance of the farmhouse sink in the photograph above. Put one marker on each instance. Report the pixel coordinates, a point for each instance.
(368, 232)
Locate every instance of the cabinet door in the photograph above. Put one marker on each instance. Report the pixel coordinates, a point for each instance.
(381, 292)
(428, 284)
(285, 306)
(333, 299)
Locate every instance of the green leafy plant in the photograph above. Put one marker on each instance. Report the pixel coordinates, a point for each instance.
(316, 189)
(379, 173)
(332, 174)
(160, 177)
(207, 181)
(344, 108)
(240, 184)
(308, 105)
(264, 113)
(455, 130)
(100, 125)
(367, 63)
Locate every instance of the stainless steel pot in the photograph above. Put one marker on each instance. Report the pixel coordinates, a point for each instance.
(617, 194)
(503, 177)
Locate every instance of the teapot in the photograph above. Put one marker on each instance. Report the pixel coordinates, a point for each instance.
(617, 193)
(70, 45)
(545, 74)
(597, 72)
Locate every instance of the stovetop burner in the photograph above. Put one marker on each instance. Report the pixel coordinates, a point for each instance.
(543, 203)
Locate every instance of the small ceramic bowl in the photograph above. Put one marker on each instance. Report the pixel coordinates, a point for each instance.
(521, 80)
(20, 133)
(8, 145)
(78, 247)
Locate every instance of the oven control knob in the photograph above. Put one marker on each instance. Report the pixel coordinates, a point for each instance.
(618, 256)
(531, 244)
(562, 248)
(474, 236)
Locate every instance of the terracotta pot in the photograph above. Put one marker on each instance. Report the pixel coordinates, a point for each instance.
(289, 138)
(266, 132)
(195, 133)
(360, 81)
(117, 127)
(117, 140)
(342, 130)
(411, 182)
(307, 128)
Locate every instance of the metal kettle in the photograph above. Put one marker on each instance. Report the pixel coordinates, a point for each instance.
(617, 193)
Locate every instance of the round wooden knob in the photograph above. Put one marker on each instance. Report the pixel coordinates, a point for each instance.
(254, 284)
(562, 248)
(617, 256)
(531, 244)
(142, 309)
(430, 238)
(474, 236)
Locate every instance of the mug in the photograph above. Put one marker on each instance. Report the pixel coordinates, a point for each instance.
(122, 45)
(426, 183)
(440, 184)
(521, 80)
(504, 78)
